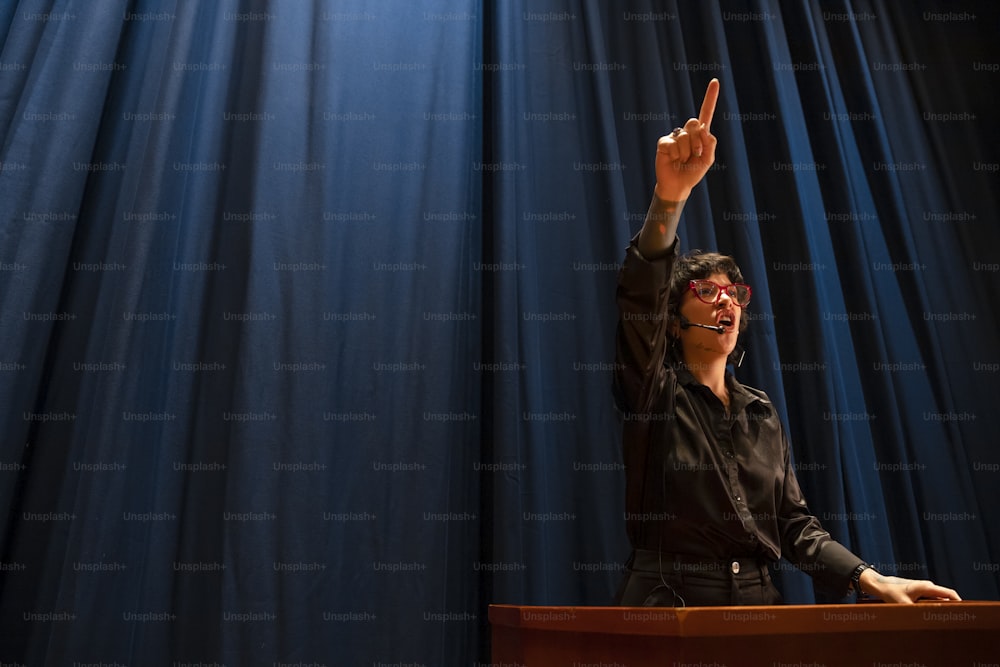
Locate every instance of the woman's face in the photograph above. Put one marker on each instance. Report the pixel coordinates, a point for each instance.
(723, 312)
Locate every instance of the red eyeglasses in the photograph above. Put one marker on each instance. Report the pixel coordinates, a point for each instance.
(710, 293)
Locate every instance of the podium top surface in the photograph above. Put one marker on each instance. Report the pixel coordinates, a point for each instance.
(751, 620)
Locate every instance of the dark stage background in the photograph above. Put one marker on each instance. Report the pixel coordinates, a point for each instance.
(307, 316)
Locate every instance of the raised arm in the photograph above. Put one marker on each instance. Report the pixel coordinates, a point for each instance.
(683, 157)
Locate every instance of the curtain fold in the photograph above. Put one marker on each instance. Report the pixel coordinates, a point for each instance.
(307, 309)
(271, 329)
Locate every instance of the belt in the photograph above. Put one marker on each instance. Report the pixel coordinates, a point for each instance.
(653, 561)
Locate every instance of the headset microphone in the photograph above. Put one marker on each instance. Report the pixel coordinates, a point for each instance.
(687, 324)
(738, 352)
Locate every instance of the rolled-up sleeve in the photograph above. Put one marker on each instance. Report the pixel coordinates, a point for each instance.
(642, 326)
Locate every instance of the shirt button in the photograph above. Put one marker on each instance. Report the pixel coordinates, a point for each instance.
(739, 497)
(735, 567)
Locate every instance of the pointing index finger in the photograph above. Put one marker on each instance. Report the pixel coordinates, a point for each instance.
(708, 105)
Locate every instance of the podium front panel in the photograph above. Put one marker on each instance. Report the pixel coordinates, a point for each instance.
(927, 634)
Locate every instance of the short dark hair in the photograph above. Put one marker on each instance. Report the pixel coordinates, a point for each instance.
(699, 265)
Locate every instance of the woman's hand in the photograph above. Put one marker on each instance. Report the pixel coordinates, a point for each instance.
(684, 156)
(898, 589)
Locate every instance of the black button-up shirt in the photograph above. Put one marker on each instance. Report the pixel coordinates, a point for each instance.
(702, 482)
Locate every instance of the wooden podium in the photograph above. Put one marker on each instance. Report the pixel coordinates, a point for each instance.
(927, 634)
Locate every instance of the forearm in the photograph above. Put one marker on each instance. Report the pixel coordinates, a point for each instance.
(660, 227)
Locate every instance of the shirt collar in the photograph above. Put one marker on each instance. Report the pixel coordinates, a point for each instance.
(740, 395)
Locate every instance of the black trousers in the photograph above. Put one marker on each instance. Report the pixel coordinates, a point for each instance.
(653, 579)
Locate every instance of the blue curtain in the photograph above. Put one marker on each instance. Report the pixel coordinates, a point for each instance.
(307, 315)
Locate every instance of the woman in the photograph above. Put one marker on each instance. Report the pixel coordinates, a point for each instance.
(712, 499)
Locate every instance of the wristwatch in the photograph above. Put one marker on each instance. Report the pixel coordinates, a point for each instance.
(856, 576)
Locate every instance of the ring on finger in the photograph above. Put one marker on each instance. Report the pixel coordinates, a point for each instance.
(676, 131)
